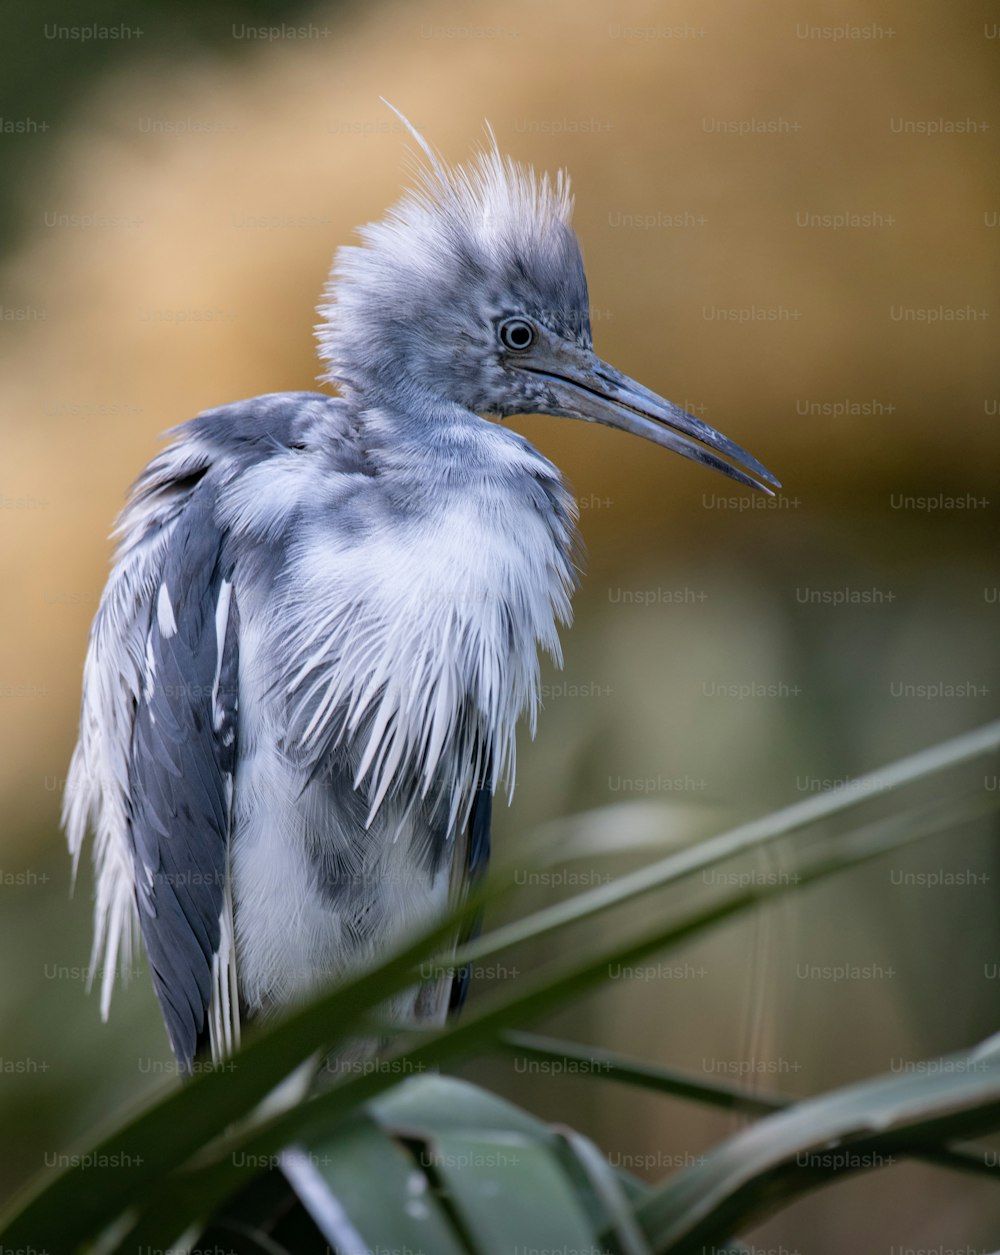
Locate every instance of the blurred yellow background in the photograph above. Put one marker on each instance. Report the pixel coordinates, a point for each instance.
(790, 221)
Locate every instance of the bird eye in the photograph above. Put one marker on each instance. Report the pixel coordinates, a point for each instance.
(517, 334)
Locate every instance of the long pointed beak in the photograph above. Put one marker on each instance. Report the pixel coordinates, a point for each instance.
(582, 386)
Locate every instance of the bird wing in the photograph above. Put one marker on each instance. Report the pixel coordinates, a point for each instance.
(180, 781)
(152, 771)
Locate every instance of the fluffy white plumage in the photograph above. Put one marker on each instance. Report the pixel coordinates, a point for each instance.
(493, 212)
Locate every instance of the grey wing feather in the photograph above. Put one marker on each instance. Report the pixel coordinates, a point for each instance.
(181, 770)
(97, 786)
(101, 780)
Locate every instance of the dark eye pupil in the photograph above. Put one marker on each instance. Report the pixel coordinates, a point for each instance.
(518, 335)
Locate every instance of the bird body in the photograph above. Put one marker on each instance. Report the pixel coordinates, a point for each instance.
(324, 618)
(405, 622)
(408, 628)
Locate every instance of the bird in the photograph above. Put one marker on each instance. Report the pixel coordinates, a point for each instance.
(326, 610)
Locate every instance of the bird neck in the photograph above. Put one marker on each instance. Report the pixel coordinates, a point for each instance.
(422, 440)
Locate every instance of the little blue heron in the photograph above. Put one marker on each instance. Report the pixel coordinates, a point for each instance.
(323, 621)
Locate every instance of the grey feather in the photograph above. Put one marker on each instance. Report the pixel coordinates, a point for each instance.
(181, 768)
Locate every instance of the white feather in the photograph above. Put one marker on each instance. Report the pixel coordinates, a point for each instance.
(165, 613)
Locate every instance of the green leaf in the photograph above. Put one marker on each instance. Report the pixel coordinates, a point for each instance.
(850, 1130)
(438, 1165)
(509, 1192)
(616, 1067)
(611, 1066)
(383, 1189)
(434, 1165)
(740, 840)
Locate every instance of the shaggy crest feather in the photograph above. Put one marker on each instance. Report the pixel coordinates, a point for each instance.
(491, 219)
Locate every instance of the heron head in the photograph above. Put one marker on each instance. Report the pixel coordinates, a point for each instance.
(472, 290)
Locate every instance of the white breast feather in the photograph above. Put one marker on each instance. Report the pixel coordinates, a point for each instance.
(417, 628)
